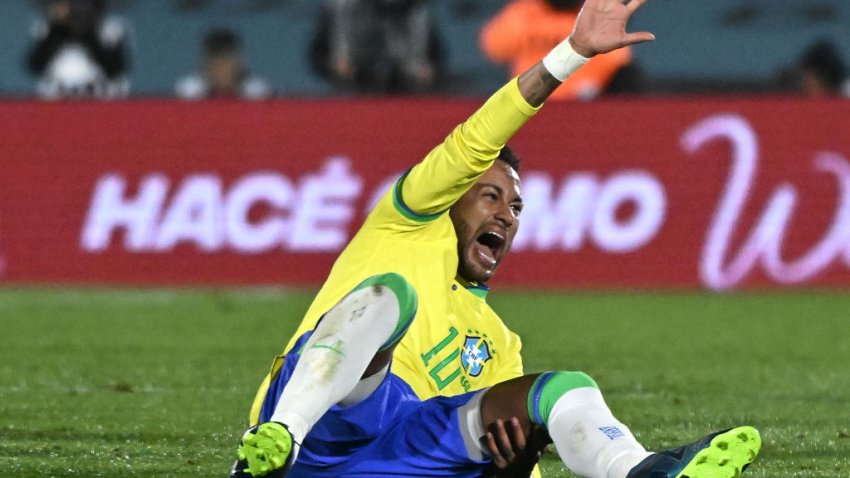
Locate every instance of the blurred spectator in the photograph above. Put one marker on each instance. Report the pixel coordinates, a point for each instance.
(386, 46)
(224, 73)
(822, 72)
(79, 51)
(523, 32)
(628, 80)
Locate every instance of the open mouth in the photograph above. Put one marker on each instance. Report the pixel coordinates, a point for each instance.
(490, 246)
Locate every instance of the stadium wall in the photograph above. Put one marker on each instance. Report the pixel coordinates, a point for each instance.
(718, 194)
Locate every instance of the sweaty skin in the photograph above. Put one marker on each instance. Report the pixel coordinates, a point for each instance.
(485, 220)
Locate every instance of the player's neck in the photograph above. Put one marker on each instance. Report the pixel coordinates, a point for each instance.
(467, 283)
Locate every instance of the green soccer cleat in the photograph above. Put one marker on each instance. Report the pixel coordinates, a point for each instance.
(266, 450)
(724, 454)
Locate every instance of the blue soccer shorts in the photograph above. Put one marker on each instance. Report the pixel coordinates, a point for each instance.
(389, 433)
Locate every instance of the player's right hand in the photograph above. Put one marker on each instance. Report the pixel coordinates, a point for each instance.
(513, 453)
(265, 450)
(601, 27)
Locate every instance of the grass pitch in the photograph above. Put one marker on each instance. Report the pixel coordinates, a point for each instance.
(103, 383)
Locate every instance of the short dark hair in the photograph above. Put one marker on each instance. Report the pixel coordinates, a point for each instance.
(221, 41)
(507, 155)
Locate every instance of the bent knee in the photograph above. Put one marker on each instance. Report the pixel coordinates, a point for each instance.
(392, 283)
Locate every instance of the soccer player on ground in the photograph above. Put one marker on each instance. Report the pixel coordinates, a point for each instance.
(333, 407)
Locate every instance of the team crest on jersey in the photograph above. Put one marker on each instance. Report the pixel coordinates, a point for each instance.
(476, 351)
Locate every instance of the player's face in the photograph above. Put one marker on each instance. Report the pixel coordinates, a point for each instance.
(486, 219)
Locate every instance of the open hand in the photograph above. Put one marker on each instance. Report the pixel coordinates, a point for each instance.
(601, 27)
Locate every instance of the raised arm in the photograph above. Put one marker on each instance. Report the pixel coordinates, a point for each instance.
(450, 169)
(600, 28)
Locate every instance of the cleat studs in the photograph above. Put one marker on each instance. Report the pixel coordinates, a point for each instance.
(723, 445)
(743, 437)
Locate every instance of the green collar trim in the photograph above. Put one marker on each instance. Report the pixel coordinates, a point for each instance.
(478, 290)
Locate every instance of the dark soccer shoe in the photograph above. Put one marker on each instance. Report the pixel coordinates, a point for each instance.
(266, 451)
(724, 454)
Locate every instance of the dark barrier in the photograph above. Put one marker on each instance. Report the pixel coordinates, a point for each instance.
(635, 194)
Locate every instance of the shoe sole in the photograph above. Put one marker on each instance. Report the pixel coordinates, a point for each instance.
(726, 456)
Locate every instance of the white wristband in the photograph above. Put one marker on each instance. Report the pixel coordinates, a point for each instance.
(562, 61)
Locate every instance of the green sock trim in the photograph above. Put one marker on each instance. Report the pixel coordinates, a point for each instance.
(328, 347)
(548, 388)
(407, 302)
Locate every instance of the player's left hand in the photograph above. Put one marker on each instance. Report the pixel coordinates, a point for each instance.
(514, 454)
(601, 27)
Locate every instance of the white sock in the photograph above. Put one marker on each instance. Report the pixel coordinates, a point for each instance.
(591, 442)
(335, 357)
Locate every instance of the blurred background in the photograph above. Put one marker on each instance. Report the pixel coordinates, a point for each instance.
(165, 48)
(156, 253)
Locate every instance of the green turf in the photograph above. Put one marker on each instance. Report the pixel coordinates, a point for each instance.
(158, 383)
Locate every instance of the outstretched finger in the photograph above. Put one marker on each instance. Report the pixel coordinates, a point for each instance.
(495, 454)
(634, 5)
(518, 435)
(639, 37)
(504, 440)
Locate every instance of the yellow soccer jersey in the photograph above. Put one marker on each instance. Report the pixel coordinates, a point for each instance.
(456, 343)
